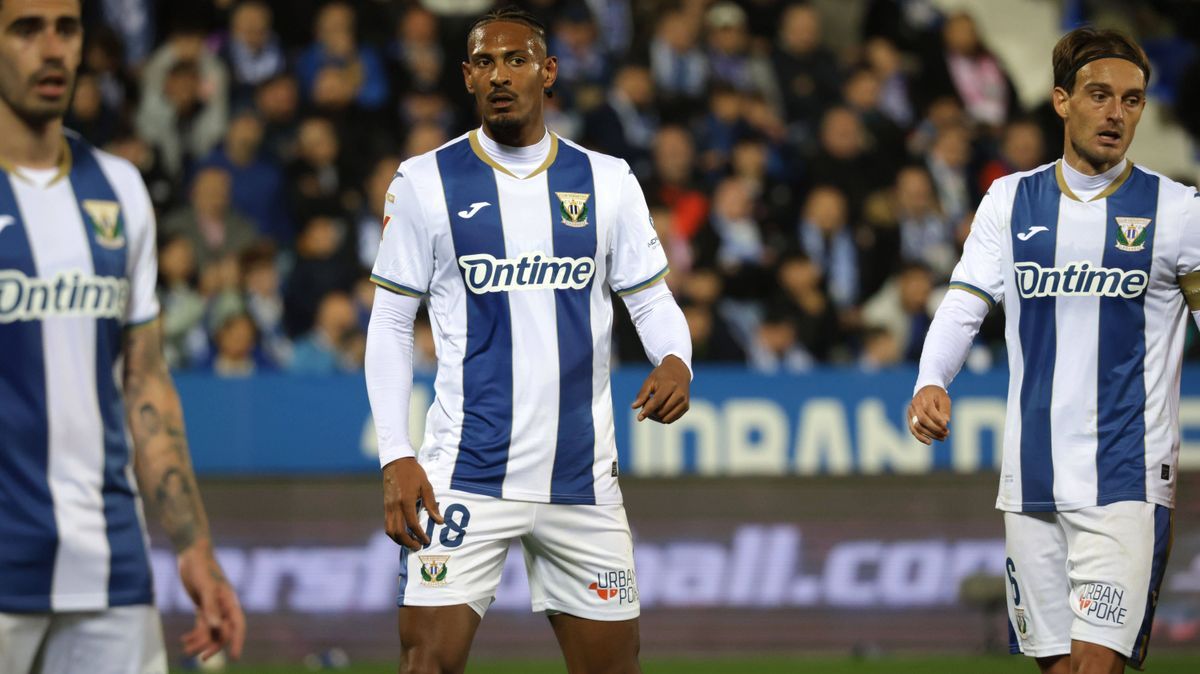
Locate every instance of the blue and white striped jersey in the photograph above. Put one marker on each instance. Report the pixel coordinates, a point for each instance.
(77, 265)
(518, 272)
(1095, 330)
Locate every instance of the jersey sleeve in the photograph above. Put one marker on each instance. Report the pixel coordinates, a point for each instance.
(981, 269)
(142, 264)
(636, 257)
(405, 261)
(1188, 265)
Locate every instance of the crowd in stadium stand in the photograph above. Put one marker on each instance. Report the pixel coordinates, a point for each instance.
(812, 197)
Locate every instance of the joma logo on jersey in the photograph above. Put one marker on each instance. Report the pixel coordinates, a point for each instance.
(532, 271)
(68, 294)
(1079, 278)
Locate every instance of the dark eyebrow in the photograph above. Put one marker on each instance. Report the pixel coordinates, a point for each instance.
(511, 52)
(27, 22)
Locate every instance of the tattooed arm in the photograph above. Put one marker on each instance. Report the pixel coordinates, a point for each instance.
(165, 477)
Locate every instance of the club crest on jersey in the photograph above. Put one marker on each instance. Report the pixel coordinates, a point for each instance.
(107, 225)
(573, 207)
(1131, 233)
(433, 569)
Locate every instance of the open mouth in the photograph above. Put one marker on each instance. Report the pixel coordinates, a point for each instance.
(501, 101)
(51, 86)
(1110, 137)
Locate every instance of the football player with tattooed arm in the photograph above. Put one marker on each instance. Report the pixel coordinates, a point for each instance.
(82, 372)
(1097, 263)
(518, 238)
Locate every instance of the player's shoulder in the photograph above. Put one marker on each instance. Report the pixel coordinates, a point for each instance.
(603, 163)
(1168, 187)
(120, 171)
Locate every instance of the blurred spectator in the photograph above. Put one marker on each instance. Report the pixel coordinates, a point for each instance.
(369, 223)
(236, 348)
(730, 59)
(754, 162)
(947, 163)
(415, 57)
(1021, 149)
(737, 239)
(966, 69)
(252, 51)
(902, 307)
(679, 254)
(625, 124)
(583, 65)
(675, 183)
(825, 237)
(330, 346)
(214, 228)
(679, 65)
(422, 138)
(129, 23)
(320, 267)
(880, 349)
(182, 305)
(221, 287)
(185, 100)
(861, 91)
(776, 349)
(895, 95)
(315, 177)
(719, 130)
(359, 67)
(89, 115)
(277, 101)
(804, 300)
(712, 340)
(264, 302)
(257, 180)
(926, 235)
(807, 72)
(103, 58)
(843, 159)
(164, 191)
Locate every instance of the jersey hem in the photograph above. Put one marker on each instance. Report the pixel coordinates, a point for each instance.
(644, 284)
(1042, 652)
(137, 323)
(527, 497)
(974, 290)
(587, 613)
(74, 603)
(1067, 506)
(399, 289)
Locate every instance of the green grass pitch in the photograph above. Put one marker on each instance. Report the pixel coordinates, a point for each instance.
(1167, 664)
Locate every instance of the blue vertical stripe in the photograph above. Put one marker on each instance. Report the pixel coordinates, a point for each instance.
(1121, 385)
(1014, 644)
(1036, 204)
(28, 532)
(1163, 539)
(129, 571)
(487, 363)
(572, 480)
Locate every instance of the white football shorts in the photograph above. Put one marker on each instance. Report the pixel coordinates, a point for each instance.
(119, 640)
(1091, 575)
(579, 558)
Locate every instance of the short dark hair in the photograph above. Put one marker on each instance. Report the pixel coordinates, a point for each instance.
(512, 14)
(1086, 44)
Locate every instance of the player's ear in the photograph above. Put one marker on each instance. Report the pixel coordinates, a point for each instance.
(550, 72)
(1060, 97)
(466, 70)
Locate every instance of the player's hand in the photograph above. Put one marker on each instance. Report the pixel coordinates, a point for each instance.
(929, 414)
(220, 622)
(404, 487)
(665, 395)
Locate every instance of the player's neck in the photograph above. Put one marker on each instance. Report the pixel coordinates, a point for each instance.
(29, 145)
(1087, 168)
(530, 134)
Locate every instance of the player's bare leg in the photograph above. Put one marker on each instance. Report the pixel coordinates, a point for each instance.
(598, 646)
(436, 639)
(1089, 658)
(1055, 664)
